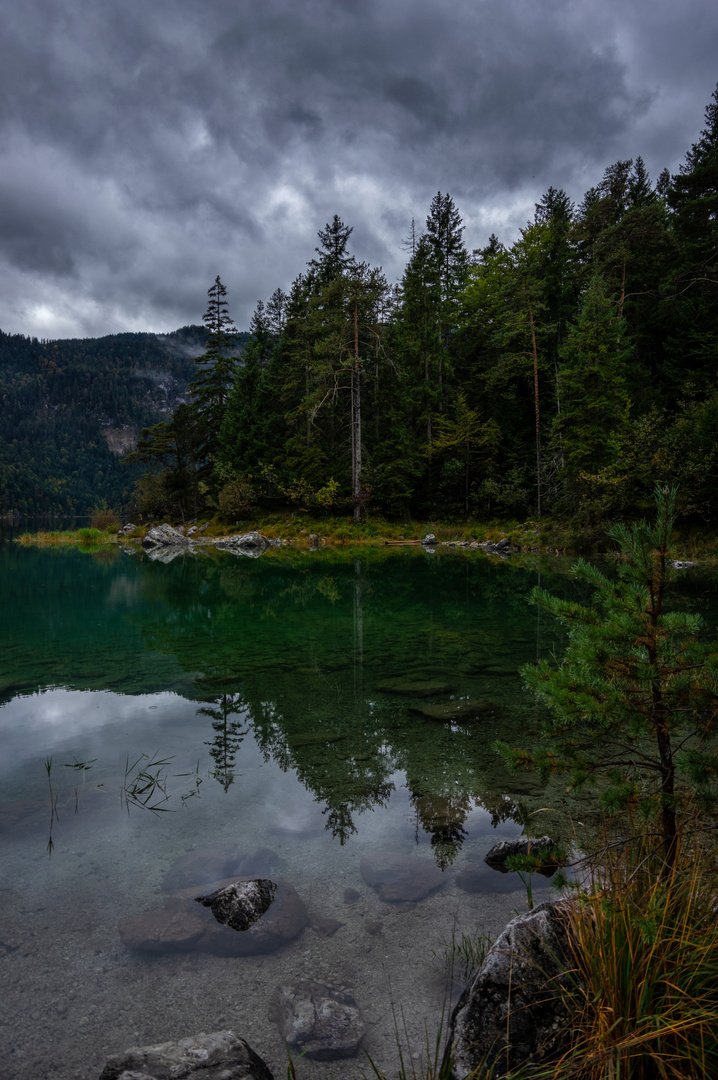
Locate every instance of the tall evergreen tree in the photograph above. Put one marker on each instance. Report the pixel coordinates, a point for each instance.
(216, 366)
(334, 259)
(594, 401)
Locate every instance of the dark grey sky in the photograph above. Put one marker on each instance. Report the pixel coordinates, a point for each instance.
(146, 148)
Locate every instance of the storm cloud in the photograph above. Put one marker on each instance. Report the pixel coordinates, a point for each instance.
(143, 150)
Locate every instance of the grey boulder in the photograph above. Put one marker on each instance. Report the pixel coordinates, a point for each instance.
(240, 904)
(251, 543)
(164, 536)
(220, 1055)
(319, 1021)
(180, 925)
(513, 1011)
(496, 857)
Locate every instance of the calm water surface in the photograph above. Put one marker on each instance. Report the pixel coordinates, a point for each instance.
(256, 704)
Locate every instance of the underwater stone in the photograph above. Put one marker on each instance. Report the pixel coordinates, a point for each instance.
(325, 925)
(284, 920)
(400, 877)
(455, 710)
(240, 904)
(313, 738)
(215, 863)
(180, 926)
(319, 1021)
(414, 687)
(220, 1055)
(168, 929)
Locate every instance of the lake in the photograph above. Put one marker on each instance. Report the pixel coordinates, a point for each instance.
(164, 725)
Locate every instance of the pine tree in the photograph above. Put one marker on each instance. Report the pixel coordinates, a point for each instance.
(634, 701)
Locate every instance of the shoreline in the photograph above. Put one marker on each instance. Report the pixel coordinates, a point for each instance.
(692, 546)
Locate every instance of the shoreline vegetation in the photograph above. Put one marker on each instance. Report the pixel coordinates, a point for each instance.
(694, 543)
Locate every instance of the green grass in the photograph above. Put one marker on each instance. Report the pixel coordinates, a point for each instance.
(645, 947)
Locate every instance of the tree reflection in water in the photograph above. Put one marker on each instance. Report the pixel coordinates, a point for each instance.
(228, 735)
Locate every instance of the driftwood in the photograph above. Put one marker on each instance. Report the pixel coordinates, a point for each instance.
(401, 543)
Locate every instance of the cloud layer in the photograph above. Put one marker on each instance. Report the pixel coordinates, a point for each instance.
(145, 150)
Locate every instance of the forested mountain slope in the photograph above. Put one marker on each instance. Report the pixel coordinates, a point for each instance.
(70, 408)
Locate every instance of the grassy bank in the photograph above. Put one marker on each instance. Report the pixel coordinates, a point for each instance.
(545, 537)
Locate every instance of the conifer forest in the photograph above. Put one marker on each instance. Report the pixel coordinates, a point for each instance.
(562, 375)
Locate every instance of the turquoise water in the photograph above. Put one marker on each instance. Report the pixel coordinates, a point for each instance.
(254, 703)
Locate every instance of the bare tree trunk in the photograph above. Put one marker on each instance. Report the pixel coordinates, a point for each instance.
(538, 413)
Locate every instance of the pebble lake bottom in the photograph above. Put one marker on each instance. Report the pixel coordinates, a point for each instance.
(322, 708)
(73, 994)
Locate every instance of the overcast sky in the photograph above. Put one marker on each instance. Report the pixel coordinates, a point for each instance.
(146, 148)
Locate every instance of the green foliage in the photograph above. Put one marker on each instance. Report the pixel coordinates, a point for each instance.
(236, 498)
(634, 700)
(105, 519)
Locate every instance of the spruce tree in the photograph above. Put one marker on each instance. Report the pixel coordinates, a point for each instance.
(216, 366)
(593, 402)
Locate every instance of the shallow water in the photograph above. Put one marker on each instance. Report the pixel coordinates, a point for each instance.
(274, 692)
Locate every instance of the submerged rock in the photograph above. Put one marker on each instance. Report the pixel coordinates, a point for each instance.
(414, 687)
(164, 536)
(221, 1054)
(325, 925)
(400, 877)
(215, 863)
(319, 1021)
(512, 1012)
(173, 928)
(455, 710)
(240, 904)
(180, 925)
(312, 738)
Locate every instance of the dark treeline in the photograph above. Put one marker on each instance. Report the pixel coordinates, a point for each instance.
(562, 375)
